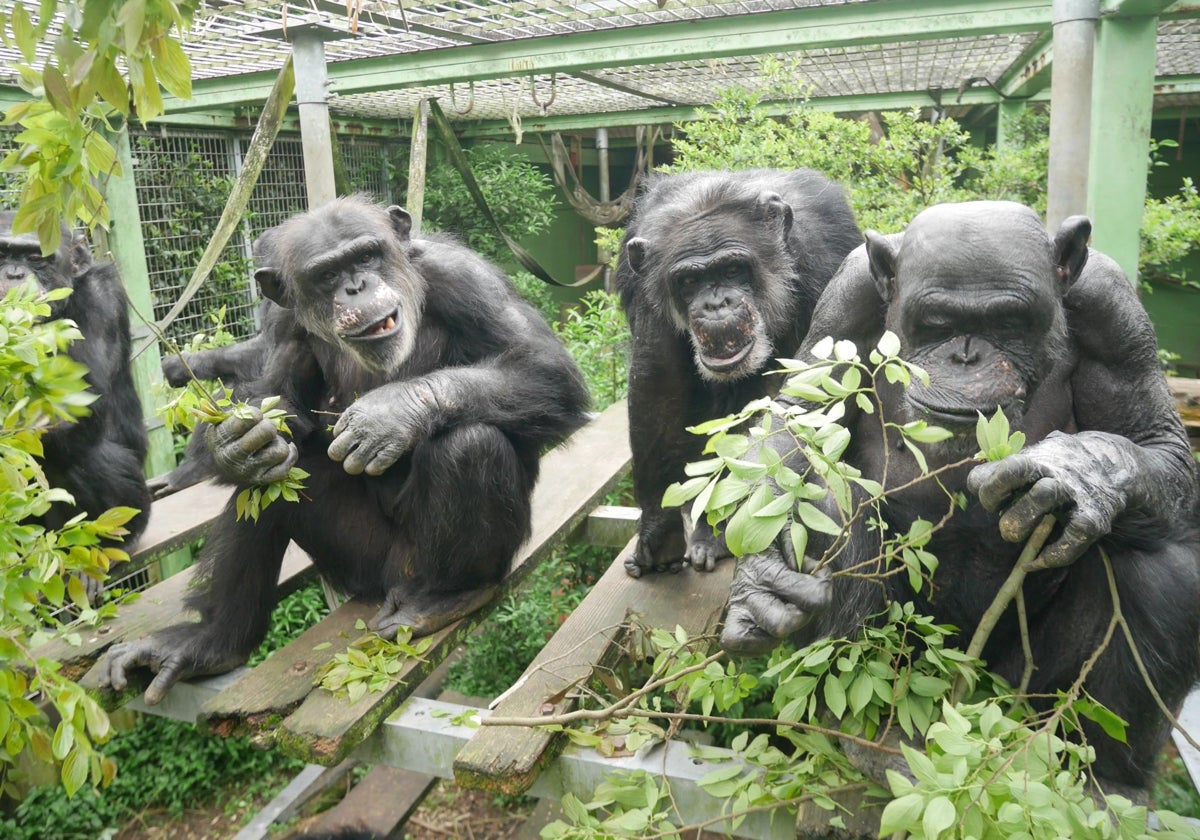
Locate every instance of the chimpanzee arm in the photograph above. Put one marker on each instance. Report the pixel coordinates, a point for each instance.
(1128, 470)
(528, 388)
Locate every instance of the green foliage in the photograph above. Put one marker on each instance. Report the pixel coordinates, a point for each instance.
(1170, 231)
(983, 762)
(521, 197)
(597, 336)
(41, 388)
(292, 616)
(371, 663)
(192, 771)
(77, 89)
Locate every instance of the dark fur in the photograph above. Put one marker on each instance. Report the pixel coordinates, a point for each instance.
(1079, 374)
(483, 388)
(791, 229)
(99, 458)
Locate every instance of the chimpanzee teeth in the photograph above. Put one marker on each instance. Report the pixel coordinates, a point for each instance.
(389, 324)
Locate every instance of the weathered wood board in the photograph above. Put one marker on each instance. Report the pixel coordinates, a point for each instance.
(574, 478)
(508, 759)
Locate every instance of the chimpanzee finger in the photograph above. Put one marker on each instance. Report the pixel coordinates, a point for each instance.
(285, 457)
(741, 635)
(775, 617)
(995, 483)
(123, 658)
(1046, 496)
(343, 443)
(355, 462)
(1076, 537)
(169, 673)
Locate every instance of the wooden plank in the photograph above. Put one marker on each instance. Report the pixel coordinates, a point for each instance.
(508, 759)
(376, 806)
(158, 607)
(276, 686)
(179, 519)
(574, 477)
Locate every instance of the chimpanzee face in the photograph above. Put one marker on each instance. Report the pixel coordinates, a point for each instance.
(975, 292)
(344, 269)
(21, 261)
(707, 270)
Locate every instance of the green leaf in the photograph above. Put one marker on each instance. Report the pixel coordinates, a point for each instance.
(901, 814)
(676, 494)
(889, 346)
(816, 519)
(174, 69)
(939, 816)
(74, 771)
(835, 696)
(748, 534)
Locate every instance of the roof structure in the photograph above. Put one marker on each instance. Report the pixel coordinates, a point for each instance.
(564, 64)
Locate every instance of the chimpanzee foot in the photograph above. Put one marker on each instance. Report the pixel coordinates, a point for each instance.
(170, 656)
(705, 549)
(426, 612)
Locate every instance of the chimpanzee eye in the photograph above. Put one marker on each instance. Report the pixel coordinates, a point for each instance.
(688, 281)
(329, 276)
(732, 271)
(366, 257)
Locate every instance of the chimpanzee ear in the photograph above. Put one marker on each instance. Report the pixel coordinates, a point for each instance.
(1071, 250)
(635, 252)
(881, 253)
(401, 222)
(772, 209)
(273, 286)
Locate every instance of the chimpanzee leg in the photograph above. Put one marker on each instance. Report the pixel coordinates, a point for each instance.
(464, 511)
(239, 568)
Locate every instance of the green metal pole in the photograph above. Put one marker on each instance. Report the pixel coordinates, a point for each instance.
(1122, 103)
(128, 251)
(1007, 112)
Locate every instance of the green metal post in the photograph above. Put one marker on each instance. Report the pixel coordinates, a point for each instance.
(128, 251)
(1122, 102)
(1007, 112)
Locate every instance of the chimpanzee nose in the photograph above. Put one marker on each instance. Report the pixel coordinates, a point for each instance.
(965, 356)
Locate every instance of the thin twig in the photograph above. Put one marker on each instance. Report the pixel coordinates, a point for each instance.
(1008, 591)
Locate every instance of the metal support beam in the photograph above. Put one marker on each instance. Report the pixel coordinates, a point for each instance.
(308, 56)
(817, 27)
(1070, 108)
(1122, 103)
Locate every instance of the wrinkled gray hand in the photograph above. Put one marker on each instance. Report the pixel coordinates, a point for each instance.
(175, 654)
(769, 600)
(382, 425)
(249, 450)
(1086, 479)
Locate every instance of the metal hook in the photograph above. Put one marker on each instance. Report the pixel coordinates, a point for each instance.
(470, 100)
(553, 92)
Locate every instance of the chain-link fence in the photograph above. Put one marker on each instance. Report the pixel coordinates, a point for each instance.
(183, 181)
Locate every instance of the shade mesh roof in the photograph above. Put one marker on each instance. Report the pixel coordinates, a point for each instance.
(231, 37)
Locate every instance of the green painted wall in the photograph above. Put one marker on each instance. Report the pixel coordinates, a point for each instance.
(1175, 310)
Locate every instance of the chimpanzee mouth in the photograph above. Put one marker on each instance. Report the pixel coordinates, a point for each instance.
(723, 364)
(954, 415)
(380, 329)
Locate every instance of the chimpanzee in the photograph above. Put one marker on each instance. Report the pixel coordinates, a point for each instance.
(98, 459)
(442, 387)
(718, 274)
(1002, 316)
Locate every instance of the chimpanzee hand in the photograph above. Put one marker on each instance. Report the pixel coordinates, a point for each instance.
(660, 544)
(769, 600)
(382, 425)
(174, 654)
(1087, 479)
(248, 449)
(174, 371)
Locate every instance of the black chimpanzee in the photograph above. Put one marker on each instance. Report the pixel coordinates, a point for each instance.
(99, 458)
(1002, 316)
(718, 274)
(442, 387)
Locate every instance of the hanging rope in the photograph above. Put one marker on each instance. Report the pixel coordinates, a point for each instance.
(599, 213)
